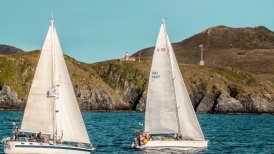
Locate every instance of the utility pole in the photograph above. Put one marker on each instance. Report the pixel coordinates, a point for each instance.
(202, 62)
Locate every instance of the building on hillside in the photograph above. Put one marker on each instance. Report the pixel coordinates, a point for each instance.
(128, 58)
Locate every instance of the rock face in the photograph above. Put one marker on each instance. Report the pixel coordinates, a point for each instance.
(215, 100)
(9, 99)
(128, 94)
(125, 84)
(97, 99)
(229, 105)
(245, 104)
(255, 104)
(219, 101)
(88, 99)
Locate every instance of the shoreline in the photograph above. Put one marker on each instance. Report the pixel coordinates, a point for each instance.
(131, 111)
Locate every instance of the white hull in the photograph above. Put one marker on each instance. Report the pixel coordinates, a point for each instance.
(180, 145)
(42, 148)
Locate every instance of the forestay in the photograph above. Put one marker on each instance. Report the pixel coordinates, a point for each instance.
(161, 114)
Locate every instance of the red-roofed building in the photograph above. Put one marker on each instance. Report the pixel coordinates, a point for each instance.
(128, 58)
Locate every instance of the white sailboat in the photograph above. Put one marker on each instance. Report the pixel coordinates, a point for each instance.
(169, 109)
(51, 109)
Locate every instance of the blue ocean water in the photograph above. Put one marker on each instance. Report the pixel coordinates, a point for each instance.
(111, 132)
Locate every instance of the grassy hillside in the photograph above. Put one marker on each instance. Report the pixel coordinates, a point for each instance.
(122, 85)
(246, 49)
(17, 71)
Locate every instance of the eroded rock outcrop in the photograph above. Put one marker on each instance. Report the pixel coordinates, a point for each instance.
(228, 104)
(98, 99)
(9, 99)
(129, 85)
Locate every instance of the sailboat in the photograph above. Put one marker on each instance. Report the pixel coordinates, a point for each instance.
(52, 121)
(170, 120)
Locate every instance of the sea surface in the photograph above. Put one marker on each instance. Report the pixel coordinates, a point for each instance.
(112, 132)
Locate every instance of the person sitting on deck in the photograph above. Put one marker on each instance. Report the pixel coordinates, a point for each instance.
(178, 136)
(39, 137)
(142, 137)
(147, 136)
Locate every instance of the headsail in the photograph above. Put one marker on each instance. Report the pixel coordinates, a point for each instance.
(161, 114)
(51, 77)
(188, 122)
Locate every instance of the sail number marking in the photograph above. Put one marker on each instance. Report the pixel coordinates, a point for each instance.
(161, 49)
(155, 75)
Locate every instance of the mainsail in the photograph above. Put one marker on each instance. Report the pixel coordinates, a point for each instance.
(52, 77)
(38, 115)
(169, 108)
(161, 114)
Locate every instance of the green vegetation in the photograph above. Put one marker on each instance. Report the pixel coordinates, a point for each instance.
(17, 71)
(132, 72)
(237, 76)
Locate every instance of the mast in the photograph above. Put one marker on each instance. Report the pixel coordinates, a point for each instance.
(53, 80)
(167, 45)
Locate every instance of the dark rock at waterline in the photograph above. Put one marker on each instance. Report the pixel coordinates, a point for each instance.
(9, 99)
(97, 99)
(101, 100)
(228, 104)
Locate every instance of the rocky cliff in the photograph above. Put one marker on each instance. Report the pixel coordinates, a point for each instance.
(116, 85)
(212, 89)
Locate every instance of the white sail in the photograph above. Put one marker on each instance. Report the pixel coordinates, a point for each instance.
(38, 115)
(69, 122)
(161, 114)
(52, 77)
(188, 123)
(169, 108)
